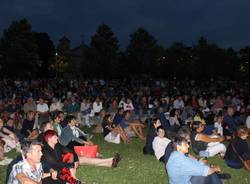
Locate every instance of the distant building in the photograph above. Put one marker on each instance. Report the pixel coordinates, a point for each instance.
(78, 60)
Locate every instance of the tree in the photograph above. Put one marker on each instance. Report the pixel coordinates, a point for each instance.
(19, 50)
(178, 60)
(245, 61)
(63, 47)
(211, 60)
(46, 52)
(142, 52)
(62, 58)
(104, 52)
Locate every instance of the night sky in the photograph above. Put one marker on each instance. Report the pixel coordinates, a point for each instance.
(225, 22)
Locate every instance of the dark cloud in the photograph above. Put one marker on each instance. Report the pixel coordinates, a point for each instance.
(224, 22)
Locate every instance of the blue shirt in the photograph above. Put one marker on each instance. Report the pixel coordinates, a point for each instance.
(181, 168)
(228, 120)
(119, 120)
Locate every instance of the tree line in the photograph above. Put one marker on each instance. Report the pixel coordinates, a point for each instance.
(28, 54)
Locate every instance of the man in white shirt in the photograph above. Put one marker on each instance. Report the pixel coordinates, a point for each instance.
(30, 169)
(42, 111)
(178, 103)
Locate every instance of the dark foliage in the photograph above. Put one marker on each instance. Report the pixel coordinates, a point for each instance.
(28, 54)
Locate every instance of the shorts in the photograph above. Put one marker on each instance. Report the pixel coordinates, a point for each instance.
(129, 132)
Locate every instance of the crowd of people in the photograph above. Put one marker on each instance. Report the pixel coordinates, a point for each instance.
(43, 120)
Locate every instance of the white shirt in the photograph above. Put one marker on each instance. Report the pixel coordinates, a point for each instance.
(248, 122)
(128, 106)
(97, 108)
(121, 104)
(56, 106)
(219, 128)
(178, 104)
(42, 107)
(159, 146)
(75, 131)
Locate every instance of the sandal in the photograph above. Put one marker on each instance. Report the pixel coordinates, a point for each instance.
(117, 158)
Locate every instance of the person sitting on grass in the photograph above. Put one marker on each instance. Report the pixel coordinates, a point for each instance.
(29, 170)
(160, 143)
(43, 128)
(182, 169)
(28, 129)
(112, 133)
(72, 136)
(56, 120)
(53, 152)
(238, 148)
(97, 120)
(203, 144)
(119, 120)
(148, 148)
(229, 125)
(9, 137)
(134, 125)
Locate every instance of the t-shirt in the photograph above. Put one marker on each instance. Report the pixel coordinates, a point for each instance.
(42, 107)
(27, 125)
(119, 120)
(159, 146)
(248, 122)
(97, 107)
(128, 106)
(219, 128)
(106, 129)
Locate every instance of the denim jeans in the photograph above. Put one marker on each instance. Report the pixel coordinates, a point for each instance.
(204, 154)
(211, 179)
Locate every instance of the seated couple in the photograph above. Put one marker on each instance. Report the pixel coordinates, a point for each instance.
(132, 127)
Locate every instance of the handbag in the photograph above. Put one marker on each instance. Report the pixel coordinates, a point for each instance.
(246, 163)
(113, 138)
(86, 151)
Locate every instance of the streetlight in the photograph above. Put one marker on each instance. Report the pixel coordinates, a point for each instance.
(57, 66)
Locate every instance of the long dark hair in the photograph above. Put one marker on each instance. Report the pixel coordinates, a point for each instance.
(105, 120)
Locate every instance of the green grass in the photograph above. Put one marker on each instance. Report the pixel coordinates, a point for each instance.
(135, 168)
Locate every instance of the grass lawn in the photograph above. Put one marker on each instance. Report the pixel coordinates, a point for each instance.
(135, 168)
